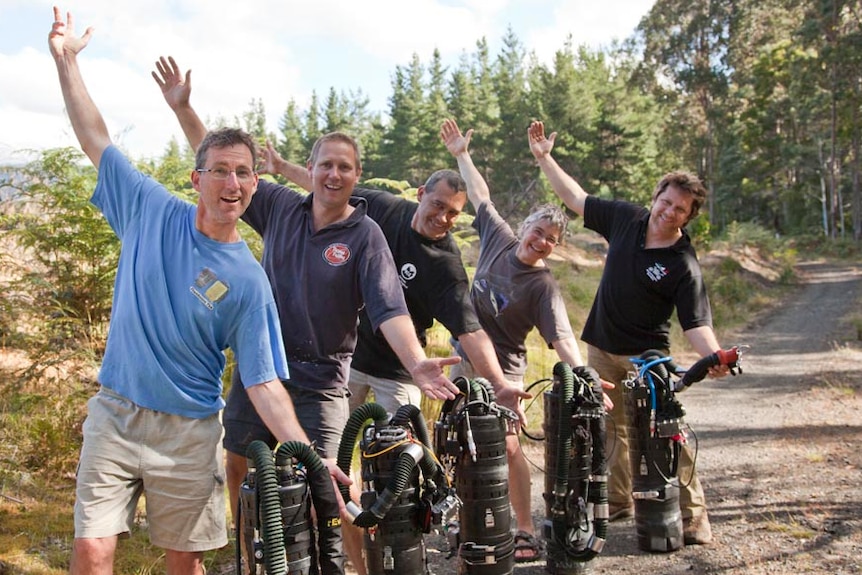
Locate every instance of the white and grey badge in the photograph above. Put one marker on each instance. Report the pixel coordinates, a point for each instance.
(407, 273)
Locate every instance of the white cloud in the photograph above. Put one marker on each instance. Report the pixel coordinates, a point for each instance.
(594, 24)
(262, 49)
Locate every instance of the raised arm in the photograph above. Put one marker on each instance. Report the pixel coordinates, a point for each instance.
(568, 190)
(275, 164)
(457, 144)
(177, 90)
(87, 121)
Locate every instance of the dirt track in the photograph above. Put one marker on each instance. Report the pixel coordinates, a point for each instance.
(779, 448)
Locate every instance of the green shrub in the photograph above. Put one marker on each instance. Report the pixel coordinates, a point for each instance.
(397, 187)
(65, 293)
(578, 286)
(842, 248)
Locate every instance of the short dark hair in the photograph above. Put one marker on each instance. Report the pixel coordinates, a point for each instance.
(450, 177)
(335, 137)
(686, 182)
(225, 138)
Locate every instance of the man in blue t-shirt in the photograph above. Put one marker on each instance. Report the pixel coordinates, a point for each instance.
(187, 288)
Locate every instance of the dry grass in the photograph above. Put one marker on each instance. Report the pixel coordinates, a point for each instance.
(789, 526)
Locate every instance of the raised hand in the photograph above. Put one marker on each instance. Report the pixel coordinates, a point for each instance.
(62, 39)
(456, 142)
(176, 88)
(270, 160)
(540, 146)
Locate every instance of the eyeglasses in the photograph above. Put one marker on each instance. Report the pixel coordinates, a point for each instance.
(542, 236)
(243, 175)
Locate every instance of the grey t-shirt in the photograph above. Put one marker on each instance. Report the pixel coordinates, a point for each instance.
(511, 297)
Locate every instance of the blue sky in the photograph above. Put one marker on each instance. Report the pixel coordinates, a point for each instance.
(272, 50)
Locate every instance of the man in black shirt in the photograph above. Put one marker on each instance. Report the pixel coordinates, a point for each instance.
(651, 268)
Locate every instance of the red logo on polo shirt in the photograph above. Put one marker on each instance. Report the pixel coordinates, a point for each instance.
(337, 254)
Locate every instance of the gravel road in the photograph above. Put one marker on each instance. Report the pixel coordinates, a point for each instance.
(779, 448)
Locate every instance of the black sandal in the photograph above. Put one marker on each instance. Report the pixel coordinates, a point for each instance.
(527, 542)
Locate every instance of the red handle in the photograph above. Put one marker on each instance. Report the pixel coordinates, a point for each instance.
(728, 357)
